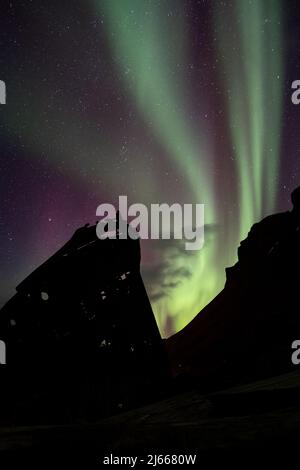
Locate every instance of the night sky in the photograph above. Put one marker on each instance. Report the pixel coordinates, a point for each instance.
(163, 101)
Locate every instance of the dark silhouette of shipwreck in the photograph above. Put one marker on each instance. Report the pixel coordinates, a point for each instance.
(80, 334)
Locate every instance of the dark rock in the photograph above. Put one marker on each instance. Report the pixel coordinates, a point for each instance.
(247, 331)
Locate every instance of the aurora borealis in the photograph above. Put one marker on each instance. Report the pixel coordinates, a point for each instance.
(163, 101)
(251, 53)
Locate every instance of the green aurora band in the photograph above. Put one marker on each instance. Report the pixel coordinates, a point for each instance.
(251, 58)
(249, 49)
(140, 39)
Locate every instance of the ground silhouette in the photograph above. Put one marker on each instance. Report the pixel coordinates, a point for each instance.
(82, 341)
